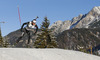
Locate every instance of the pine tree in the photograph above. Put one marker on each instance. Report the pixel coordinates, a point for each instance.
(6, 44)
(1, 39)
(3, 43)
(45, 39)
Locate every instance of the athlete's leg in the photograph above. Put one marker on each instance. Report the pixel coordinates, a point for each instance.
(29, 37)
(23, 33)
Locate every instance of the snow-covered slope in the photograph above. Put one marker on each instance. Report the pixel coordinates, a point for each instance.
(43, 54)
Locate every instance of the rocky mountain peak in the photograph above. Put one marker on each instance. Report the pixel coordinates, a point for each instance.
(95, 11)
(58, 23)
(80, 16)
(77, 18)
(60, 26)
(81, 21)
(93, 15)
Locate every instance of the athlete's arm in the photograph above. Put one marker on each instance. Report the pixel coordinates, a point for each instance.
(23, 25)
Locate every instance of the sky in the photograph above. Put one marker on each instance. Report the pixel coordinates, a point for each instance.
(54, 10)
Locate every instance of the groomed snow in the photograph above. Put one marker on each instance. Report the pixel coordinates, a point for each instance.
(43, 54)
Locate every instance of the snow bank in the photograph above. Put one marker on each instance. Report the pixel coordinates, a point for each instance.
(43, 54)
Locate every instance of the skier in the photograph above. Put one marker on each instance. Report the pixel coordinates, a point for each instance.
(30, 26)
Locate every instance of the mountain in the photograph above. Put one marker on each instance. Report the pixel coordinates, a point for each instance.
(60, 26)
(89, 20)
(44, 54)
(13, 36)
(95, 24)
(91, 17)
(75, 39)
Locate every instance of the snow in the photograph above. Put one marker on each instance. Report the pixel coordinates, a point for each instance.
(97, 9)
(43, 54)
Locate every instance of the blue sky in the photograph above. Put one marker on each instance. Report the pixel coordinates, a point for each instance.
(54, 9)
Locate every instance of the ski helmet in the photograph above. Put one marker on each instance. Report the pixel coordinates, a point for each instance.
(34, 21)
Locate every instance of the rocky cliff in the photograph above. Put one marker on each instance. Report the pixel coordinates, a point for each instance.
(82, 21)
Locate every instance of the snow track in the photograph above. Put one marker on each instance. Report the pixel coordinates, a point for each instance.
(43, 54)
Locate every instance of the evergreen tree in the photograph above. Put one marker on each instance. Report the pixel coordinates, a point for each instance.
(1, 39)
(3, 43)
(45, 39)
(6, 44)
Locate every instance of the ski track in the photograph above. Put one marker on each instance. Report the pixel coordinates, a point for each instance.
(43, 54)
